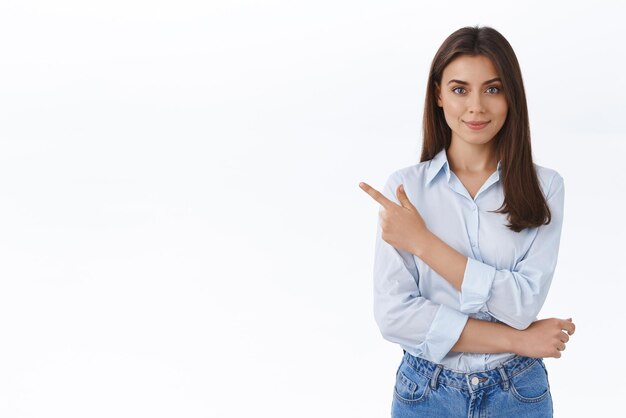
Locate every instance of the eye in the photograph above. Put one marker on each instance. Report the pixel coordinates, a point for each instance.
(456, 88)
(494, 87)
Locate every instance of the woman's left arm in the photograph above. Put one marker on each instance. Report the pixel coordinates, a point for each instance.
(514, 297)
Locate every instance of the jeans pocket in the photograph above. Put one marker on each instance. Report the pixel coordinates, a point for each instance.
(410, 386)
(531, 385)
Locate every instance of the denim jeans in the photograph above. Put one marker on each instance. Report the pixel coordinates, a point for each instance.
(518, 387)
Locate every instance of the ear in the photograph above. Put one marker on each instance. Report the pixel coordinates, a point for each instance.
(438, 94)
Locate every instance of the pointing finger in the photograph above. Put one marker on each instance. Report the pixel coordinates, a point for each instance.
(376, 195)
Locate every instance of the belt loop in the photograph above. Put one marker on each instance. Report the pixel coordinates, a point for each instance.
(505, 378)
(433, 379)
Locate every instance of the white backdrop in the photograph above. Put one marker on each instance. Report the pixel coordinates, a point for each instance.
(181, 229)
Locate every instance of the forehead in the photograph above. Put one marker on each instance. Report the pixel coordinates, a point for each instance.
(473, 69)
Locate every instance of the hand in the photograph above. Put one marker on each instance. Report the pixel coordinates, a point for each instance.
(544, 338)
(402, 225)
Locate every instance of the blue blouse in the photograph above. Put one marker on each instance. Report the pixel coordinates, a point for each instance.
(507, 275)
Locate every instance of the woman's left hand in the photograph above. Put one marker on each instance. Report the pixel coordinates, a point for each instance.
(402, 225)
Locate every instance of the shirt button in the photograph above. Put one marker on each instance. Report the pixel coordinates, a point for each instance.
(474, 244)
(474, 380)
(474, 208)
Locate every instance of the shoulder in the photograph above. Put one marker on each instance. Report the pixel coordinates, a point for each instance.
(550, 180)
(411, 176)
(414, 173)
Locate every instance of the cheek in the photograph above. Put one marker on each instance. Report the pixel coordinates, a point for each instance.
(453, 108)
(500, 108)
(451, 116)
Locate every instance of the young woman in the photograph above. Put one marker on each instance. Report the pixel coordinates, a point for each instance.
(467, 245)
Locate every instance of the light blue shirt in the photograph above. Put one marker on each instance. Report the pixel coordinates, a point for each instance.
(507, 275)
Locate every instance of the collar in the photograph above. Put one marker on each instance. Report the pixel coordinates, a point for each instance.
(439, 161)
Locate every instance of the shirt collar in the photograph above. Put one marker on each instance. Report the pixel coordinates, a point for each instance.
(439, 161)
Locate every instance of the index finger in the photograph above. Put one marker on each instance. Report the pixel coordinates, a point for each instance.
(376, 195)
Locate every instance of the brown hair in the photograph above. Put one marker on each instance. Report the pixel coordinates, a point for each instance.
(523, 198)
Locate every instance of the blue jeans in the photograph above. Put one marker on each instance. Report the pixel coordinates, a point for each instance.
(518, 387)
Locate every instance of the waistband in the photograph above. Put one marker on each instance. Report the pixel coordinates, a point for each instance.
(500, 375)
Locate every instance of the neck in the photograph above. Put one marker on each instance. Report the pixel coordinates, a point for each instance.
(472, 158)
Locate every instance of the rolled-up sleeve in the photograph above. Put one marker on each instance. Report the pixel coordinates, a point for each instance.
(402, 314)
(516, 296)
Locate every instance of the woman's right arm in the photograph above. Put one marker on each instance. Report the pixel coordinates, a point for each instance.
(543, 338)
(402, 314)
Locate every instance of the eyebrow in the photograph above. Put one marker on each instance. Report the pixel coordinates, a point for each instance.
(466, 83)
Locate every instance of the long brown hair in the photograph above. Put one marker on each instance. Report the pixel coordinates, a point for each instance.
(523, 198)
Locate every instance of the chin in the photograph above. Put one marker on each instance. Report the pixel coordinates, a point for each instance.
(478, 141)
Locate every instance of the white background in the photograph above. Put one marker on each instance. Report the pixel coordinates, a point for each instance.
(181, 229)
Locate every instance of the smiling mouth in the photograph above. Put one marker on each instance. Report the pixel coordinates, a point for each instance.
(477, 125)
(482, 122)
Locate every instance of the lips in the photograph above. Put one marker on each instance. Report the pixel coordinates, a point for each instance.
(477, 124)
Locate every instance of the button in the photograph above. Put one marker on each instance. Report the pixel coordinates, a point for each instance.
(474, 208)
(474, 244)
(474, 380)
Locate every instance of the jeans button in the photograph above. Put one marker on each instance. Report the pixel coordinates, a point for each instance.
(474, 380)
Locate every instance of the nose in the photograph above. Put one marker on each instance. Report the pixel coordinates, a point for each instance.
(474, 103)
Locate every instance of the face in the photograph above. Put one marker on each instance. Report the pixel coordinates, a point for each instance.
(468, 93)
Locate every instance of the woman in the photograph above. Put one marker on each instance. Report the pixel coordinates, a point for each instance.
(467, 244)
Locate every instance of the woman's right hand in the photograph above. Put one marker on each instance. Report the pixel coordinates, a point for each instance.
(544, 338)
